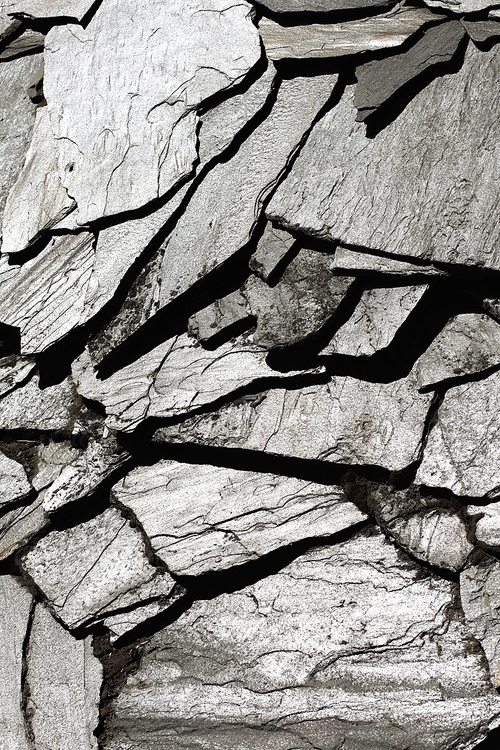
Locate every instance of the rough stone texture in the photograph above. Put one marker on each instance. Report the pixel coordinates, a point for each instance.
(467, 344)
(346, 421)
(343, 631)
(463, 450)
(272, 248)
(346, 259)
(70, 9)
(64, 680)
(356, 190)
(238, 515)
(307, 294)
(14, 482)
(213, 319)
(51, 459)
(479, 592)
(18, 527)
(91, 569)
(53, 408)
(15, 609)
(347, 38)
(320, 6)
(142, 127)
(487, 529)
(378, 80)
(175, 378)
(14, 371)
(460, 6)
(29, 43)
(375, 321)
(481, 31)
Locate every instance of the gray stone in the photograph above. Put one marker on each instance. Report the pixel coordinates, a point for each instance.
(460, 6)
(213, 319)
(378, 80)
(14, 371)
(346, 421)
(467, 344)
(173, 379)
(480, 596)
(347, 38)
(71, 9)
(271, 250)
(141, 129)
(16, 605)
(463, 450)
(487, 530)
(372, 193)
(238, 515)
(51, 459)
(13, 481)
(346, 259)
(94, 568)
(18, 527)
(31, 408)
(320, 6)
(375, 321)
(37, 201)
(481, 31)
(307, 294)
(64, 680)
(348, 646)
(29, 43)
(45, 298)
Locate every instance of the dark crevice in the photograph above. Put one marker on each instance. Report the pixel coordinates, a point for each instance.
(443, 385)
(25, 688)
(230, 332)
(237, 89)
(11, 33)
(89, 15)
(491, 742)
(306, 18)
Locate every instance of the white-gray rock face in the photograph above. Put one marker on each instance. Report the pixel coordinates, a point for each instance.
(94, 568)
(64, 680)
(463, 450)
(347, 421)
(137, 139)
(238, 515)
(271, 250)
(347, 38)
(480, 596)
(371, 193)
(13, 481)
(460, 6)
(320, 6)
(375, 321)
(347, 259)
(467, 344)
(31, 408)
(488, 525)
(223, 313)
(174, 378)
(15, 608)
(348, 646)
(14, 371)
(20, 526)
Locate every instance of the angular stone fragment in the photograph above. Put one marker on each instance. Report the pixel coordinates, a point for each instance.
(64, 680)
(320, 6)
(272, 248)
(238, 515)
(45, 298)
(92, 569)
(14, 371)
(378, 80)
(37, 200)
(13, 481)
(467, 344)
(29, 43)
(224, 312)
(33, 408)
(70, 9)
(487, 529)
(460, 6)
(84, 475)
(17, 119)
(141, 129)
(402, 192)
(307, 294)
(347, 38)
(463, 450)
(175, 378)
(348, 646)
(20, 526)
(15, 608)
(481, 31)
(346, 421)
(210, 231)
(375, 321)
(480, 596)
(346, 259)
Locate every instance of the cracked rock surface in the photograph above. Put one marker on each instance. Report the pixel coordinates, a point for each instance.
(249, 375)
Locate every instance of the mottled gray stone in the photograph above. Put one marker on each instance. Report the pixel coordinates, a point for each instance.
(213, 319)
(45, 298)
(31, 408)
(346, 259)
(480, 596)
(461, 6)
(51, 459)
(14, 483)
(467, 344)
(141, 129)
(18, 527)
(28, 43)
(17, 119)
(346, 38)
(463, 450)
(37, 200)
(83, 476)
(94, 568)
(320, 6)
(271, 250)
(14, 371)
(15, 609)
(174, 378)
(487, 529)
(238, 515)
(375, 321)
(347, 421)
(64, 680)
(307, 294)
(481, 31)
(378, 80)
(372, 192)
(348, 646)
